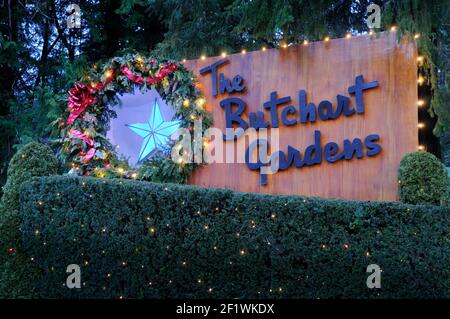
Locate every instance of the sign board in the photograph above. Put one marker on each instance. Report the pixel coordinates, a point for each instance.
(364, 94)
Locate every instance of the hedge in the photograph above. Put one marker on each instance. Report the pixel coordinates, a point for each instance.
(136, 239)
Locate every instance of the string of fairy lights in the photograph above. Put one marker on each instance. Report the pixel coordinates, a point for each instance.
(421, 80)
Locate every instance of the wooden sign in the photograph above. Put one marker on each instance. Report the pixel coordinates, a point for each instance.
(345, 109)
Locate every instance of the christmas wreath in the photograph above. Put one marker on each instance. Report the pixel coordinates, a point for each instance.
(83, 146)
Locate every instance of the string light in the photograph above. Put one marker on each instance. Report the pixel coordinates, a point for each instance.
(203, 57)
(393, 28)
(224, 54)
(242, 252)
(108, 74)
(348, 35)
(421, 148)
(186, 103)
(305, 42)
(244, 51)
(420, 80)
(263, 48)
(184, 60)
(371, 32)
(421, 125)
(421, 103)
(200, 102)
(284, 46)
(420, 59)
(327, 38)
(416, 36)
(134, 175)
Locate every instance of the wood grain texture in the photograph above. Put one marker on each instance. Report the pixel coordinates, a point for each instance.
(325, 69)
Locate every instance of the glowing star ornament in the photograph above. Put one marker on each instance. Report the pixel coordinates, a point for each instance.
(156, 132)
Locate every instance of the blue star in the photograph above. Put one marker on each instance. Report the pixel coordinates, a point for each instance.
(156, 132)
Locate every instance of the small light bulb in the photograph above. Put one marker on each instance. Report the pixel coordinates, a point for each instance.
(421, 103)
(421, 125)
(186, 103)
(305, 42)
(393, 28)
(421, 148)
(224, 54)
(371, 32)
(327, 39)
(420, 80)
(244, 51)
(203, 57)
(263, 48)
(416, 36)
(348, 35)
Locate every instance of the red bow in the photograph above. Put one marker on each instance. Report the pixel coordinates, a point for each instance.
(79, 99)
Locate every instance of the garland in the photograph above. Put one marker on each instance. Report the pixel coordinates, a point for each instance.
(84, 148)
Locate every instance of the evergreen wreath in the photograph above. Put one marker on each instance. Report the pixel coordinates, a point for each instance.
(83, 146)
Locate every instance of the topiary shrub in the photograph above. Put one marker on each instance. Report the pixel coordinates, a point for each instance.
(422, 179)
(34, 159)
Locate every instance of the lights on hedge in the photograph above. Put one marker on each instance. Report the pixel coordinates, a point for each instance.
(203, 57)
(134, 175)
(393, 28)
(186, 103)
(346, 246)
(244, 51)
(416, 36)
(421, 148)
(326, 39)
(215, 248)
(348, 35)
(242, 252)
(224, 54)
(273, 216)
(421, 125)
(206, 227)
(367, 254)
(152, 230)
(305, 42)
(323, 246)
(284, 45)
(420, 59)
(263, 49)
(420, 103)
(184, 60)
(371, 32)
(184, 263)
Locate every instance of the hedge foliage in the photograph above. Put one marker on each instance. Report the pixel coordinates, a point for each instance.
(136, 239)
(422, 179)
(16, 272)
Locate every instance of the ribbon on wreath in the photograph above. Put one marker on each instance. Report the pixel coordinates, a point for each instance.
(80, 97)
(90, 142)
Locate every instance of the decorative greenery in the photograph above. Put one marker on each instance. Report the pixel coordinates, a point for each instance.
(82, 136)
(16, 271)
(422, 178)
(143, 240)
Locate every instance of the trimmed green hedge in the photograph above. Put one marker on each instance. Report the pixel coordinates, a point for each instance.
(422, 179)
(143, 240)
(16, 271)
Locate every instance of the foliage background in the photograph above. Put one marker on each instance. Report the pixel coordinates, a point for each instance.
(40, 57)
